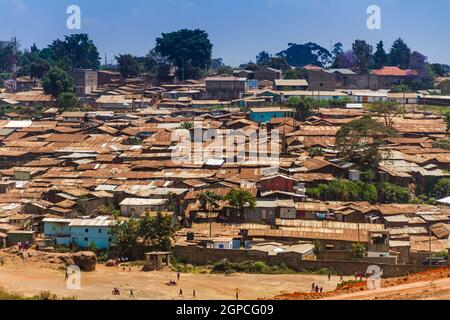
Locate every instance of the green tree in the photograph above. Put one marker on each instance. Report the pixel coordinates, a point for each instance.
(159, 231)
(56, 81)
(263, 58)
(125, 238)
(189, 50)
(360, 141)
(302, 106)
(76, 51)
(209, 201)
(400, 54)
(239, 199)
(390, 193)
(358, 250)
(363, 55)
(441, 189)
(128, 65)
(67, 101)
(39, 68)
(300, 55)
(380, 57)
(386, 110)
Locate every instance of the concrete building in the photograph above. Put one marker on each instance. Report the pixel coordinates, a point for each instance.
(266, 73)
(225, 88)
(85, 80)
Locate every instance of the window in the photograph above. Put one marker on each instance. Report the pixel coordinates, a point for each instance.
(86, 239)
(99, 230)
(86, 230)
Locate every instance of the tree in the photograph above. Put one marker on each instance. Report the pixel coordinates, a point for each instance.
(6, 50)
(441, 189)
(189, 50)
(347, 60)
(125, 238)
(391, 193)
(67, 101)
(338, 49)
(263, 58)
(128, 65)
(386, 110)
(157, 66)
(39, 68)
(76, 51)
(300, 55)
(400, 54)
(239, 199)
(363, 56)
(358, 250)
(380, 57)
(425, 75)
(337, 52)
(209, 201)
(226, 70)
(360, 141)
(158, 231)
(447, 119)
(438, 69)
(278, 63)
(302, 106)
(56, 81)
(216, 63)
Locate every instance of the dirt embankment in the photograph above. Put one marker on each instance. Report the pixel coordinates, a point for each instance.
(431, 275)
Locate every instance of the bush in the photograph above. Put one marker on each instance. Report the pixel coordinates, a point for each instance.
(390, 193)
(358, 250)
(258, 267)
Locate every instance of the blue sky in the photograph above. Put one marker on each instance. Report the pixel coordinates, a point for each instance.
(239, 29)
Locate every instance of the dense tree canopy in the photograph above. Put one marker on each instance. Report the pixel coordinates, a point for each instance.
(75, 51)
(300, 55)
(380, 57)
(56, 82)
(363, 56)
(189, 50)
(128, 65)
(400, 54)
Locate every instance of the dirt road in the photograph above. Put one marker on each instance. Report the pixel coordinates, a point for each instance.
(424, 290)
(31, 279)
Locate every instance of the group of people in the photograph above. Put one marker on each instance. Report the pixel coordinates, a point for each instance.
(316, 288)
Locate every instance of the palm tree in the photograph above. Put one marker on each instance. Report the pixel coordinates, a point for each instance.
(209, 201)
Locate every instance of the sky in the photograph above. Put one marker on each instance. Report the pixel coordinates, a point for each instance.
(238, 29)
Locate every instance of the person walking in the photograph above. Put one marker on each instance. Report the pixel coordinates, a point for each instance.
(178, 276)
(321, 289)
(237, 294)
(193, 293)
(131, 293)
(181, 293)
(313, 286)
(329, 276)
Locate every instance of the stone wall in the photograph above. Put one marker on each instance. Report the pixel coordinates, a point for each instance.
(203, 256)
